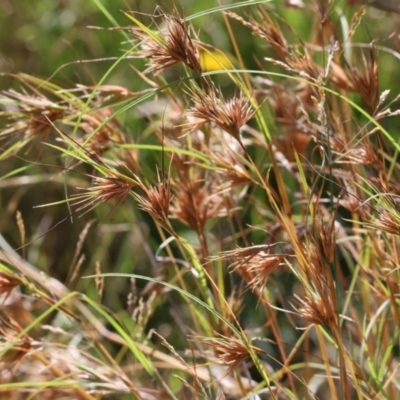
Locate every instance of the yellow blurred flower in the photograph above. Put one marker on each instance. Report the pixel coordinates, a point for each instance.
(214, 60)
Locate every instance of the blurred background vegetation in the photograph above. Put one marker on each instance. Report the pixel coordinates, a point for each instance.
(42, 36)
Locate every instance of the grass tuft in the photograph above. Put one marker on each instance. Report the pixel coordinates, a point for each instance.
(238, 229)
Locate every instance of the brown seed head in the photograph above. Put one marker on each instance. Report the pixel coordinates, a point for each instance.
(104, 190)
(194, 203)
(156, 201)
(366, 82)
(106, 136)
(387, 222)
(170, 47)
(33, 114)
(230, 351)
(8, 283)
(268, 31)
(9, 330)
(254, 264)
(110, 188)
(228, 115)
(317, 310)
(326, 236)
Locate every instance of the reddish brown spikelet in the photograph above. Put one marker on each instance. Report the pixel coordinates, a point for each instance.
(156, 201)
(174, 46)
(392, 186)
(255, 264)
(317, 310)
(268, 31)
(339, 77)
(9, 330)
(355, 21)
(261, 267)
(228, 115)
(230, 351)
(110, 188)
(367, 83)
(366, 154)
(105, 190)
(325, 231)
(352, 204)
(232, 169)
(106, 136)
(8, 283)
(33, 115)
(387, 222)
(194, 205)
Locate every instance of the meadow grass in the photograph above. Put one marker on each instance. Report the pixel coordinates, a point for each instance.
(238, 240)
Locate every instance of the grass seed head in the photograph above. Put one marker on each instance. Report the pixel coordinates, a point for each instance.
(228, 115)
(317, 310)
(173, 46)
(30, 115)
(195, 201)
(7, 284)
(268, 31)
(104, 190)
(326, 234)
(387, 222)
(156, 201)
(230, 351)
(254, 264)
(232, 169)
(9, 330)
(366, 82)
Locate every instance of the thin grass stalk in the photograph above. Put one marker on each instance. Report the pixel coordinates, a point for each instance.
(326, 361)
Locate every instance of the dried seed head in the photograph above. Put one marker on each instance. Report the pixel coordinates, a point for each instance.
(367, 83)
(387, 222)
(106, 136)
(317, 310)
(339, 77)
(351, 203)
(230, 351)
(170, 47)
(156, 201)
(7, 284)
(30, 114)
(325, 231)
(195, 202)
(261, 267)
(110, 188)
(9, 330)
(254, 264)
(104, 190)
(389, 187)
(317, 267)
(268, 31)
(228, 115)
(366, 154)
(231, 169)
